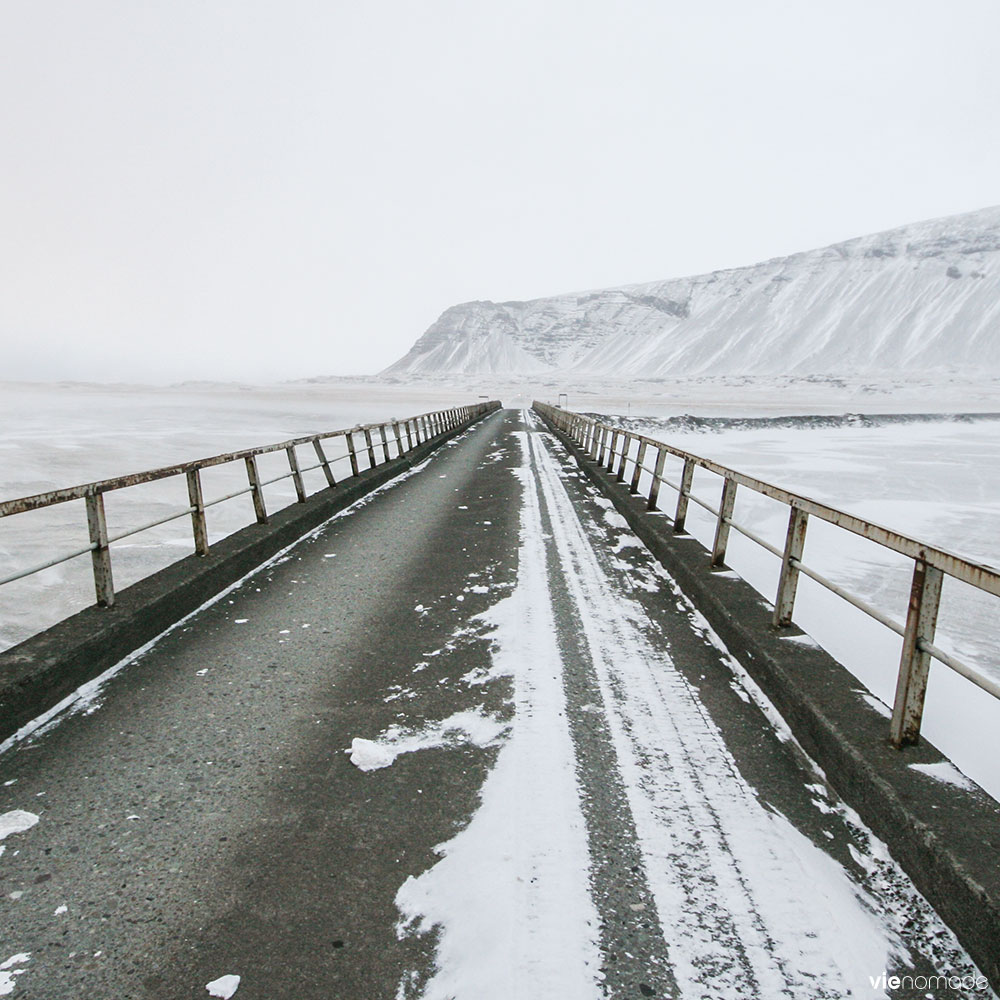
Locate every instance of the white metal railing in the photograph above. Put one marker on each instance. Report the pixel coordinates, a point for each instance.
(400, 436)
(608, 445)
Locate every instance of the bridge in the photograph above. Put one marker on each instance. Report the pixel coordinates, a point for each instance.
(476, 718)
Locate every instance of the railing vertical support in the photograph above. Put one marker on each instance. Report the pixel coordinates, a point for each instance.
(615, 434)
(198, 522)
(795, 540)
(352, 452)
(97, 525)
(654, 486)
(687, 481)
(640, 457)
(293, 465)
(726, 507)
(324, 464)
(626, 444)
(409, 435)
(911, 685)
(385, 442)
(369, 447)
(603, 433)
(253, 477)
(399, 438)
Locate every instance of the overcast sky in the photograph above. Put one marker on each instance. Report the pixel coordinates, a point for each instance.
(260, 190)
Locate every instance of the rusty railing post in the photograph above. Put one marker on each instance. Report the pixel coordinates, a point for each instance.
(615, 434)
(385, 443)
(626, 444)
(198, 522)
(726, 505)
(97, 525)
(911, 684)
(369, 446)
(687, 481)
(324, 464)
(293, 465)
(795, 540)
(654, 486)
(601, 446)
(352, 452)
(640, 457)
(253, 477)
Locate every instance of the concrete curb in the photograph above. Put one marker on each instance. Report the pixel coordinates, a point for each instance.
(946, 838)
(37, 674)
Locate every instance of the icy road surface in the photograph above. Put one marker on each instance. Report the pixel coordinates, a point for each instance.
(464, 742)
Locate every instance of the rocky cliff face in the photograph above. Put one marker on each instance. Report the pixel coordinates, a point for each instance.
(925, 296)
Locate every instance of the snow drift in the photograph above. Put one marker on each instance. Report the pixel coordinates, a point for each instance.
(926, 296)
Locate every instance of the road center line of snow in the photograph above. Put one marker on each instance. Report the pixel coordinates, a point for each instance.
(510, 897)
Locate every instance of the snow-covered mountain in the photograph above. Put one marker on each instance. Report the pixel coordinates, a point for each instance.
(925, 296)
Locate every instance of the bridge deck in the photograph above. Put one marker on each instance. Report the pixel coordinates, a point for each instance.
(579, 795)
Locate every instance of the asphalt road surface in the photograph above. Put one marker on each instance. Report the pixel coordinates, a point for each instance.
(201, 817)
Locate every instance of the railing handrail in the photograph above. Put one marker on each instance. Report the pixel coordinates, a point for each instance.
(978, 574)
(37, 501)
(931, 563)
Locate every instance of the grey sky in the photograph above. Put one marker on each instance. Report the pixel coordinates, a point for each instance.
(269, 190)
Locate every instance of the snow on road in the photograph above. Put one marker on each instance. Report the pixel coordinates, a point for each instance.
(510, 895)
(745, 903)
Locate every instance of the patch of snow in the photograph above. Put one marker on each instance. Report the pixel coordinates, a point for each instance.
(802, 640)
(16, 821)
(944, 771)
(627, 542)
(877, 704)
(460, 728)
(223, 987)
(8, 972)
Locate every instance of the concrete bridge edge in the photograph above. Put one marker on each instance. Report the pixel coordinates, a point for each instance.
(946, 838)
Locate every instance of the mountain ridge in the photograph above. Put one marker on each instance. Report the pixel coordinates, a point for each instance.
(918, 297)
